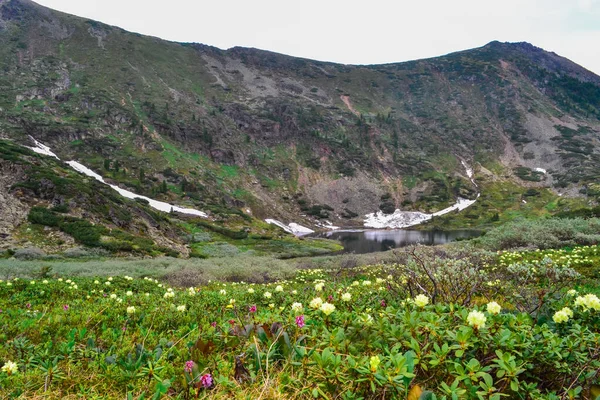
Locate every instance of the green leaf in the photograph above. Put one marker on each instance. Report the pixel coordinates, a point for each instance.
(427, 395)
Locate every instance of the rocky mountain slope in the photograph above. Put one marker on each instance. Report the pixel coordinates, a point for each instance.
(246, 134)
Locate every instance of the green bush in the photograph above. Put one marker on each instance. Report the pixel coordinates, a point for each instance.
(83, 231)
(29, 253)
(43, 216)
(241, 234)
(542, 233)
(86, 233)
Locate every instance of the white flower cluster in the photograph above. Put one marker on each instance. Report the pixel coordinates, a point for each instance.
(588, 302)
(563, 315)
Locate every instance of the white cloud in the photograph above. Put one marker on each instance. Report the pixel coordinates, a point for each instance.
(587, 5)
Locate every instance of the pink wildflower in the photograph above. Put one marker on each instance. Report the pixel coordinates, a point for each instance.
(188, 366)
(300, 321)
(207, 380)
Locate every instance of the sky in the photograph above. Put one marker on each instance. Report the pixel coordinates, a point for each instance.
(353, 32)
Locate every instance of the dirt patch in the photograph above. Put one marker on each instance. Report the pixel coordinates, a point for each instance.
(346, 100)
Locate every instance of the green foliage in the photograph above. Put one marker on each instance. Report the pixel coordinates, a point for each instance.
(307, 156)
(345, 168)
(317, 210)
(241, 234)
(593, 212)
(138, 336)
(528, 174)
(82, 231)
(542, 233)
(43, 216)
(92, 235)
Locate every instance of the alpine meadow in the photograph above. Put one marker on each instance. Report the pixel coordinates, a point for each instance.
(179, 221)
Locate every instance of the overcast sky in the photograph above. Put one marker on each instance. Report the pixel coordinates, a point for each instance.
(365, 32)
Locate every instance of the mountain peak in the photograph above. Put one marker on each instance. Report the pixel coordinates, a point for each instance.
(540, 58)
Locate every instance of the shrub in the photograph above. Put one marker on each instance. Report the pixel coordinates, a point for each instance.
(76, 252)
(83, 231)
(198, 237)
(241, 234)
(389, 341)
(43, 216)
(61, 208)
(29, 253)
(542, 233)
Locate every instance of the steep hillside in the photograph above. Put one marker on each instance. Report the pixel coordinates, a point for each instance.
(249, 134)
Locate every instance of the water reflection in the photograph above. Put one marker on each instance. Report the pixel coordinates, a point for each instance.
(361, 242)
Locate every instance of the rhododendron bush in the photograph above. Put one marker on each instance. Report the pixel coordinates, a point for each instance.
(522, 329)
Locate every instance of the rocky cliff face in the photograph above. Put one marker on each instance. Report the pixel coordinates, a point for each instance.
(296, 139)
(13, 211)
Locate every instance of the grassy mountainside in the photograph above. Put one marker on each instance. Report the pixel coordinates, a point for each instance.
(63, 210)
(246, 134)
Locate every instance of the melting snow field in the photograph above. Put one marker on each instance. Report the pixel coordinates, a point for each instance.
(159, 205)
(42, 149)
(293, 227)
(327, 225)
(404, 219)
(399, 219)
(469, 172)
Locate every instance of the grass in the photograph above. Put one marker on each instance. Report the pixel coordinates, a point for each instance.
(504, 201)
(176, 271)
(229, 172)
(396, 330)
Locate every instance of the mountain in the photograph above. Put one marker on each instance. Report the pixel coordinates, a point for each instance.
(246, 135)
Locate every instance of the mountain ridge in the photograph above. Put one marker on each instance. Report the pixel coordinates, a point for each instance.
(274, 136)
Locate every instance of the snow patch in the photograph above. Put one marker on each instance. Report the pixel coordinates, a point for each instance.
(460, 205)
(404, 219)
(542, 170)
(299, 229)
(42, 149)
(328, 225)
(293, 227)
(469, 172)
(399, 219)
(158, 205)
(467, 169)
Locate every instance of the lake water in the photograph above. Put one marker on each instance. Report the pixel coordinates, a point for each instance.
(361, 242)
